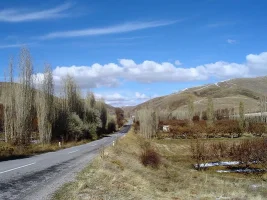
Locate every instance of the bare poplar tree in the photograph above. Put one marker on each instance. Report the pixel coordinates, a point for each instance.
(148, 122)
(91, 98)
(262, 107)
(9, 105)
(241, 116)
(24, 98)
(72, 96)
(210, 111)
(101, 106)
(190, 106)
(44, 102)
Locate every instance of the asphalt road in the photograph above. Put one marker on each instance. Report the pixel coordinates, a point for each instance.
(39, 176)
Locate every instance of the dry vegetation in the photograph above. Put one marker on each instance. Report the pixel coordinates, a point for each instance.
(120, 174)
(9, 151)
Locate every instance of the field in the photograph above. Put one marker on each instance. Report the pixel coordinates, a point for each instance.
(118, 173)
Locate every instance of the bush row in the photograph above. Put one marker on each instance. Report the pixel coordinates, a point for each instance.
(247, 152)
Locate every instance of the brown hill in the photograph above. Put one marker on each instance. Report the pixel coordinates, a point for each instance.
(225, 94)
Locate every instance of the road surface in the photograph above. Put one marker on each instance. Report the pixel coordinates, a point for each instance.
(39, 176)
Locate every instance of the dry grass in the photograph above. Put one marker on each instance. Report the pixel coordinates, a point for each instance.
(119, 174)
(8, 151)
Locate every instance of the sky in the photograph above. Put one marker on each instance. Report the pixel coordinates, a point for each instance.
(128, 51)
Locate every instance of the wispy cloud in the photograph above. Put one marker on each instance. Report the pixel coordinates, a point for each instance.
(121, 28)
(131, 38)
(220, 24)
(230, 41)
(22, 15)
(6, 46)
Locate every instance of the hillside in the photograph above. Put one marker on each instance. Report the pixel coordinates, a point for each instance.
(225, 94)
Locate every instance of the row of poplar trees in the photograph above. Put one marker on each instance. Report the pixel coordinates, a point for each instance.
(31, 106)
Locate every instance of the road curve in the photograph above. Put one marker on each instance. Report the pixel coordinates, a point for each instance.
(38, 177)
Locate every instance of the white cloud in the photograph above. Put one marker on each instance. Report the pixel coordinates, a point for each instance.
(121, 28)
(177, 62)
(21, 15)
(230, 41)
(112, 74)
(111, 97)
(117, 99)
(140, 96)
(91, 76)
(257, 63)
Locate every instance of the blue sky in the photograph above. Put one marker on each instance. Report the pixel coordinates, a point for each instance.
(128, 51)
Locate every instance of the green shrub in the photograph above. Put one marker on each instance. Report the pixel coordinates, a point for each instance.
(6, 150)
(75, 126)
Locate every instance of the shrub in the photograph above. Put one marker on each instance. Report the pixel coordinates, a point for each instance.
(200, 152)
(247, 152)
(219, 150)
(111, 126)
(75, 126)
(136, 126)
(223, 127)
(6, 150)
(196, 118)
(92, 131)
(150, 157)
(257, 128)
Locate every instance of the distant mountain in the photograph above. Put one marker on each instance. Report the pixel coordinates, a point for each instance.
(225, 94)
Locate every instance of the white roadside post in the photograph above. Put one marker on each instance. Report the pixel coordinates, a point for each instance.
(59, 144)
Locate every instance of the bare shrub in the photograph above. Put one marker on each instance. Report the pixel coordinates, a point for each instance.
(224, 128)
(257, 129)
(246, 152)
(149, 157)
(200, 152)
(196, 118)
(219, 151)
(136, 126)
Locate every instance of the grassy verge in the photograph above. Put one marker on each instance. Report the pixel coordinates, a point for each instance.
(117, 173)
(9, 152)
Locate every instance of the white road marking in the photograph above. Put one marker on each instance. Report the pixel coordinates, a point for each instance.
(73, 151)
(17, 168)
